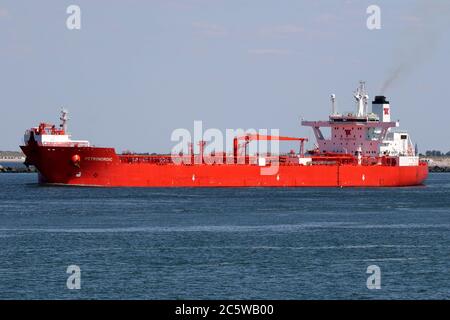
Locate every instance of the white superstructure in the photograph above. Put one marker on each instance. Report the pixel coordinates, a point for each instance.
(363, 133)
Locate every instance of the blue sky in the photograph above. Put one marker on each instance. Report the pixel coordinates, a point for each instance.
(137, 70)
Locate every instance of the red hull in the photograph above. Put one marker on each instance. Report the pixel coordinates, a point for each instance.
(103, 167)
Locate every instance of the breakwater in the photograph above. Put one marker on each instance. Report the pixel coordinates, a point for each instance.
(13, 162)
(438, 163)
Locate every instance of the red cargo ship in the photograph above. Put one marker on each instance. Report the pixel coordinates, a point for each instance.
(364, 149)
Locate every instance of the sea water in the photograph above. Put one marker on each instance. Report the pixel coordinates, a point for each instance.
(224, 243)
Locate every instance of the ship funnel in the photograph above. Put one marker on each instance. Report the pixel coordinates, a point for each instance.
(381, 107)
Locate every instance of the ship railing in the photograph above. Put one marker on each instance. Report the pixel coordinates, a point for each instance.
(70, 144)
(196, 159)
(353, 160)
(283, 160)
(137, 158)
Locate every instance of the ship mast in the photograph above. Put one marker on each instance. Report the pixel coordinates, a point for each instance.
(361, 99)
(64, 118)
(333, 104)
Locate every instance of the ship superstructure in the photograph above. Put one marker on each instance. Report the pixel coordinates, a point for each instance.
(363, 133)
(46, 134)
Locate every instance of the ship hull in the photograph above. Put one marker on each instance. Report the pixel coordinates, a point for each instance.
(103, 167)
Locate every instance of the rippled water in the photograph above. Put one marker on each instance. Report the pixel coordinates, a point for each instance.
(311, 243)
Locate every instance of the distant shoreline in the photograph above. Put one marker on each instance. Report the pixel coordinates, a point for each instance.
(437, 163)
(13, 162)
(23, 169)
